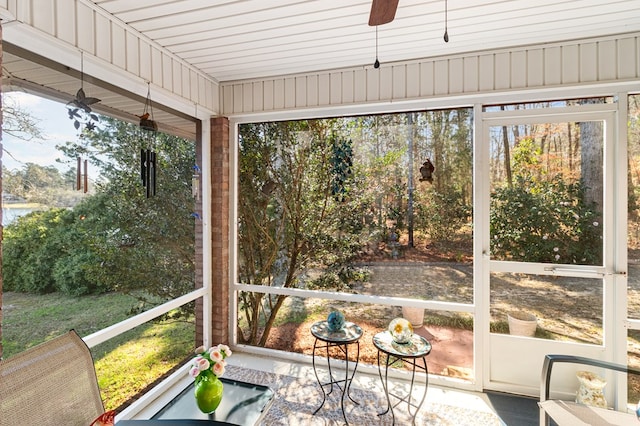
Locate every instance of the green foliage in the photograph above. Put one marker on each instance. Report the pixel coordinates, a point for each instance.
(116, 239)
(526, 159)
(50, 251)
(41, 184)
(141, 243)
(341, 163)
(289, 218)
(71, 273)
(30, 248)
(545, 222)
(340, 277)
(441, 215)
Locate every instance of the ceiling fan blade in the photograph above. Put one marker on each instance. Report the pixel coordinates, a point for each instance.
(382, 12)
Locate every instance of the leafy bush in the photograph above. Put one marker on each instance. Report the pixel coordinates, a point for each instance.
(545, 222)
(30, 247)
(341, 277)
(72, 274)
(442, 215)
(49, 251)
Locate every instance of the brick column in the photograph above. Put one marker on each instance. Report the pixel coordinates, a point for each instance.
(220, 229)
(219, 167)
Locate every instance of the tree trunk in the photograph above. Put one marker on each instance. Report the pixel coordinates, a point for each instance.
(507, 156)
(271, 319)
(591, 139)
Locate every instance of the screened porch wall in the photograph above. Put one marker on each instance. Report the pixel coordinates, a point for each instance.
(572, 63)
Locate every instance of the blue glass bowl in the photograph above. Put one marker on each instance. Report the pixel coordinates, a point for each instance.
(335, 321)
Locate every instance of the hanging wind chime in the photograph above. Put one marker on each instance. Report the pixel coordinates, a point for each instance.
(84, 119)
(195, 183)
(148, 162)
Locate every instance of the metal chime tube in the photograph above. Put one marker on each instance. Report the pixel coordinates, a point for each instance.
(153, 155)
(143, 167)
(78, 173)
(148, 171)
(82, 179)
(86, 176)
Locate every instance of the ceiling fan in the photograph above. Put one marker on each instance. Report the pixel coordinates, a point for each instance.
(382, 12)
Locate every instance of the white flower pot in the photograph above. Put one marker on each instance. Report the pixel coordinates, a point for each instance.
(522, 324)
(414, 315)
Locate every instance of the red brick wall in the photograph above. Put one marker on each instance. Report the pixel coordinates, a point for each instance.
(220, 229)
(219, 235)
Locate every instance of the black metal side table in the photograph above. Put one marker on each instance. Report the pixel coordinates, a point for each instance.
(411, 352)
(325, 339)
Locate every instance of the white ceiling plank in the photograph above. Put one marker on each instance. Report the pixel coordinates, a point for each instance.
(257, 38)
(120, 6)
(230, 40)
(188, 8)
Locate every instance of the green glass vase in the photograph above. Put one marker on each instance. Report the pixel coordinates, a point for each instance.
(208, 393)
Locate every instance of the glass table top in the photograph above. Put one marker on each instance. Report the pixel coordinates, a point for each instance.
(347, 334)
(417, 347)
(242, 404)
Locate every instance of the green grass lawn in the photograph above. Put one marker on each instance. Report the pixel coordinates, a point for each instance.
(128, 363)
(125, 365)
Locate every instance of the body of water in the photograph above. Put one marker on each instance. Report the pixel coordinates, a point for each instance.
(10, 214)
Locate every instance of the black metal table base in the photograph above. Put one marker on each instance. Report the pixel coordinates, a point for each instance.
(346, 387)
(391, 359)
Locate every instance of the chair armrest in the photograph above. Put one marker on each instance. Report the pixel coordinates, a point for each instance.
(549, 360)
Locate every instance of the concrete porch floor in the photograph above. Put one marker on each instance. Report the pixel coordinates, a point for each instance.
(298, 395)
(442, 405)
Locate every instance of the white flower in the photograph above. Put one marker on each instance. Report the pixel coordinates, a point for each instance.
(595, 223)
(556, 249)
(202, 363)
(215, 354)
(218, 368)
(225, 350)
(210, 361)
